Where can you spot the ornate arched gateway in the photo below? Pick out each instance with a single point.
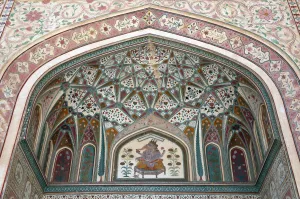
(172, 104)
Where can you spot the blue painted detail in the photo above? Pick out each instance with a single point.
(102, 155)
(198, 152)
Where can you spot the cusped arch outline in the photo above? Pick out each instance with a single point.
(137, 39)
(16, 83)
(184, 143)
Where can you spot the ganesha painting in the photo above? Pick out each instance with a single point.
(151, 161)
(150, 157)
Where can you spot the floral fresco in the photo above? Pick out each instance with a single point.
(150, 156)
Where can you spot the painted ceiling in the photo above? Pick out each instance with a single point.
(118, 93)
(151, 79)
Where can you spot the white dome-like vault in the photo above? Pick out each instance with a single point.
(152, 111)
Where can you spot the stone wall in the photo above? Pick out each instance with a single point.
(22, 183)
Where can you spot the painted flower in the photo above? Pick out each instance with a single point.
(23, 67)
(284, 77)
(275, 66)
(193, 28)
(92, 33)
(266, 14)
(29, 28)
(62, 42)
(105, 29)
(33, 15)
(235, 42)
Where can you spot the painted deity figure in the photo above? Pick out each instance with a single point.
(151, 158)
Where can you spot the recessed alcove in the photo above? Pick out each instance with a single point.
(93, 122)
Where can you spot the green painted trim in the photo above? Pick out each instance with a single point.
(191, 187)
(33, 163)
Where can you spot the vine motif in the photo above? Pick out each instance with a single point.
(174, 164)
(126, 164)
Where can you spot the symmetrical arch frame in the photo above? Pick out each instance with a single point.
(143, 33)
(55, 156)
(79, 162)
(220, 156)
(119, 143)
(246, 159)
(22, 95)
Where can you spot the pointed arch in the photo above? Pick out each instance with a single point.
(87, 163)
(214, 162)
(35, 126)
(62, 165)
(239, 164)
(183, 143)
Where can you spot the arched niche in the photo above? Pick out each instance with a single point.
(232, 54)
(187, 147)
(129, 153)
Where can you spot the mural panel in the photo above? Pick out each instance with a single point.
(87, 164)
(151, 156)
(239, 165)
(62, 166)
(214, 164)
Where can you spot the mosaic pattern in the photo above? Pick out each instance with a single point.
(259, 55)
(163, 124)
